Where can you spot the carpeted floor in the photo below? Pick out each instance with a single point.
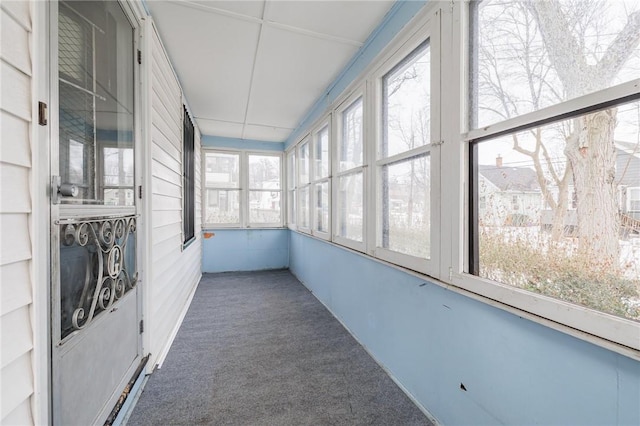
(257, 348)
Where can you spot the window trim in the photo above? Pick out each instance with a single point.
(428, 34)
(248, 223)
(343, 105)
(188, 179)
(324, 123)
(300, 186)
(291, 202)
(205, 188)
(243, 188)
(617, 334)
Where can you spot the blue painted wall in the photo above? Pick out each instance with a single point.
(245, 250)
(208, 141)
(432, 340)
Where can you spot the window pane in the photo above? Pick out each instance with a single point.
(322, 207)
(264, 207)
(222, 206)
(291, 170)
(406, 104)
(527, 55)
(303, 164)
(303, 220)
(529, 234)
(406, 206)
(118, 176)
(95, 70)
(264, 172)
(292, 207)
(222, 170)
(350, 207)
(321, 154)
(350, 146)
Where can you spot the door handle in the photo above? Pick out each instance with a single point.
(59, 189)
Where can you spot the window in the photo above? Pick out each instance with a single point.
(291, 188)
(264, 189)
(320, 184)
(222, 183)
(96, 104)
(510, 172)
(242, 189)
(350, 199)
(188, 179)
(404, 161)
(633, 201)
(552, 77)
(303, 183)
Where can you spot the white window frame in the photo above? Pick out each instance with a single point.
(205, 188)
(630, 199)
(300, 186)
(248, 223)
(428, 31)
(243, 188)
(291, 178)
(343, 105)
(324, 123)
(452, 201)
(615, 333)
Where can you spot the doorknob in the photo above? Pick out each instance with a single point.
(68, 190)
(59, 189)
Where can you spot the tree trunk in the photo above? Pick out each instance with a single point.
(591, 152)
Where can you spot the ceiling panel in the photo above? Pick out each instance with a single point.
(266, 133)
(248, 78)
(220, 128)
(291, 72)
(353, 20)
(213, 56)
(245, 7)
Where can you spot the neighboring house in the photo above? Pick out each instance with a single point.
(508, 196)
(626, 181)
(627, 177)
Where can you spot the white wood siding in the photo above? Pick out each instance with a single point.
(16, 248)
(174, 271)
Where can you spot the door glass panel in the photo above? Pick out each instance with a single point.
(95, 48)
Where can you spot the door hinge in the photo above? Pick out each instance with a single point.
(139, 57)
(140, 192)
(141, 326)
(42, 114)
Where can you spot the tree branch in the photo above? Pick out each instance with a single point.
(620, 49)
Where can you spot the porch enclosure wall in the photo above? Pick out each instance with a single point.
(16, 214)
(175, 270)
(433, 341)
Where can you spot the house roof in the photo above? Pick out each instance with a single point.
(632, 148)
(510, 178)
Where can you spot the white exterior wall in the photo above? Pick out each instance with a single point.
(175, 271)
(16, 219)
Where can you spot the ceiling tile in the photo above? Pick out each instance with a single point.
(213, 57)
(266, 133)
(245, 7)
(353, 20)
(291, 72)
(219, 128)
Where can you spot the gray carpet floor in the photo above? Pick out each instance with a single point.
(257, 348)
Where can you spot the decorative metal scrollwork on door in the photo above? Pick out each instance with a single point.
(97, 267)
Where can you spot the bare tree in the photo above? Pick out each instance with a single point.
(565, 66)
